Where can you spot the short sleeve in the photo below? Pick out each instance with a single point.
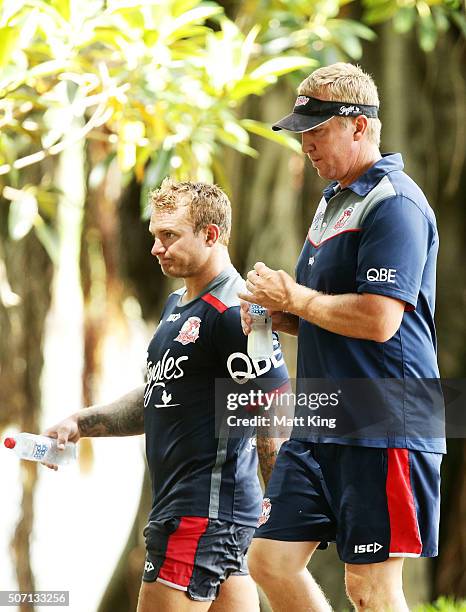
(395, 241)
(231, 346)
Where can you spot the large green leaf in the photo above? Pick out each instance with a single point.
(48, 238)
(427, 33)
(62, 7)
(247, 86)
(281, 65)
(460, 20)
(404, 19)
(174, 29)
(377, 12)
(229, 140)
(9, 37)
(22, 215)
(282, 138)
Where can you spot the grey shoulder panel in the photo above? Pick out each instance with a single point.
(227, 292)
(382, 191)
(347, 212)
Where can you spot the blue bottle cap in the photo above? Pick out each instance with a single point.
(255, 309)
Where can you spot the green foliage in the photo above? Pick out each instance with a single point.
(315, 28)
(160, 84)
(152, 80)
(430, 18)
(443, 604)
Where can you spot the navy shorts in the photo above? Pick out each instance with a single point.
(374, 503)
(195, 554)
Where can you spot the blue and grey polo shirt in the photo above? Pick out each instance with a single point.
(193, 471)
(376, 236)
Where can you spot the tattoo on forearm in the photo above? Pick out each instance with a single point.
(124, 417)
(267, 450)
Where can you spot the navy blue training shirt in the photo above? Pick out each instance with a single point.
(376, 236)
(194, 473)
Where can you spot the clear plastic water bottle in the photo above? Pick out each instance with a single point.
(260, 339)
(41, 448)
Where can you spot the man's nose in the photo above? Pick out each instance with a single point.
(157, 248)
(307, 143)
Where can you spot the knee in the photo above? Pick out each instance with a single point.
(359, 590)
(356, 590)
(370, 589)
(367, 593)
(262, 566)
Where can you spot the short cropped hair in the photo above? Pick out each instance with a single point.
(206, 204)
(345, 83)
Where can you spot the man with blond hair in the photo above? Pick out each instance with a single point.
(362, 307)
(206, 494)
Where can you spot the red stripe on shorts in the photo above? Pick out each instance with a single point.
(181, 550)
(404, 530)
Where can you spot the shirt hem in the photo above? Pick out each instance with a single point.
(426, 447)
(222, 516)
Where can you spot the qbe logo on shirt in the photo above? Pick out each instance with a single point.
(384, 275)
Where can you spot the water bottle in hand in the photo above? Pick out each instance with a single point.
(41, 448)
(260, 339)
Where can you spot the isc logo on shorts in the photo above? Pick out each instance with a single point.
(367, 548)
(148, 566)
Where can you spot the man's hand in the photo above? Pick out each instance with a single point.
(65, 431)
(281, 321)
(269, 288)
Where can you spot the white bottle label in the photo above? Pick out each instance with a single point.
(260, 340)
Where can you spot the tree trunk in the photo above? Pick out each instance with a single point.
(423, 114)
(30, 272)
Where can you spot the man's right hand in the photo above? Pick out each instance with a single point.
(246, 319)
(65, 431)
(281, 321)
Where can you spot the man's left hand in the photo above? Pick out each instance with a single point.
(269, 288)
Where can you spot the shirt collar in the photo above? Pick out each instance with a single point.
(367, 181)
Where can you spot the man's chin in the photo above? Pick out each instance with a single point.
(327, 176)
(171, 271)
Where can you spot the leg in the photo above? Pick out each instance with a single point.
(154, 596)
(280, 569)
(296, 517)
(237, 594)
(377, 587)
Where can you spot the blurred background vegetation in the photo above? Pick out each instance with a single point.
(142, 89)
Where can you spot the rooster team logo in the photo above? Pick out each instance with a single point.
(345, 215)
(189, 331)
(301, 100)
(266, 508)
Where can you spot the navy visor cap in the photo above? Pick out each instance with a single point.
(308, 113)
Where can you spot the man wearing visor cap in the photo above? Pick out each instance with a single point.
(362, 307)
(309, 113)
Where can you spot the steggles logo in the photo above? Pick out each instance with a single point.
(348, 110)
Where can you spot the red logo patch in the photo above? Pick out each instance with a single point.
(266, 508)
(301, 100)
(345, 215)
(189, 331)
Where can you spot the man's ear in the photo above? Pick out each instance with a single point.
(212, 233)
(360, 127)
